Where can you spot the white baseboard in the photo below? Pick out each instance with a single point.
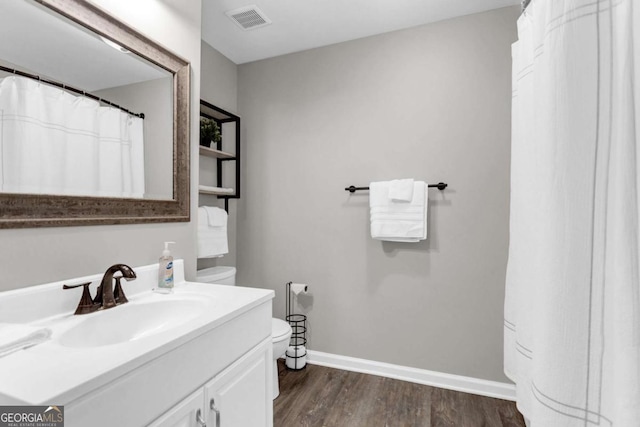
(420, 376)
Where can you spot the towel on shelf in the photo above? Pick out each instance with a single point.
(398, 221)
(401, 189)
(212, 232)
(14, 337)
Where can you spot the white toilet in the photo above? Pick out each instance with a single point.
(280, 330)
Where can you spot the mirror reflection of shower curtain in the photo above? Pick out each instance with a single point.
(572, 303)
(54, 142)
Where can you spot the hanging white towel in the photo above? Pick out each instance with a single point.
(212, 232)
(401, 190)
(216, 217)
(398, 221)
(14, 337)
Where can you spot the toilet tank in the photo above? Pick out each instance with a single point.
(219, 275)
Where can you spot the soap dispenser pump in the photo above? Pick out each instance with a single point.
(165, 270)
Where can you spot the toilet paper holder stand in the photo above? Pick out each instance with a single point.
(297, 352)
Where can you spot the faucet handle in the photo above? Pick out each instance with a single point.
(118, 292)
(75, 286)
(86, 304)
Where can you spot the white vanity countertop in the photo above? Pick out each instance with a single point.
(52, 373)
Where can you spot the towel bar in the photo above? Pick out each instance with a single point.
(352, 189)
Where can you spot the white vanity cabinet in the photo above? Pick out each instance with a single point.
(229, 362)
(188, 413)
(238, 396)
(156, 360)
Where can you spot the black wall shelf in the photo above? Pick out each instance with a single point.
(221, 116)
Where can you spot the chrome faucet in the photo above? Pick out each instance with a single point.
(106, 297)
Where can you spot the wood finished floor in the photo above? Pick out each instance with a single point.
(324, 397)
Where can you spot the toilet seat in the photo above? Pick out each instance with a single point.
(279, 329)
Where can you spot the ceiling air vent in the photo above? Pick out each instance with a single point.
(248, 17)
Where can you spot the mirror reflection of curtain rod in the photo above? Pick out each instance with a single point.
(69, 88)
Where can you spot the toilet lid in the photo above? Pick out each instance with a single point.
(279, 328)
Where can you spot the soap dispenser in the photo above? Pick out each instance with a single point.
(165, 270)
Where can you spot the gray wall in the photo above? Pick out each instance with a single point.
(35, 256)
(219, 84)
(432, 103)
(219, 87)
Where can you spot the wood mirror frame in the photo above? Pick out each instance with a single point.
(35, 210)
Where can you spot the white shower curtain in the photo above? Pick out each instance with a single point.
(572, 309)
(53, 142)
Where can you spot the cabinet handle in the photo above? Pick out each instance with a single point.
(199, 419)
(212, 405)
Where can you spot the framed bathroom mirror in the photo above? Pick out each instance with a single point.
(94, 120)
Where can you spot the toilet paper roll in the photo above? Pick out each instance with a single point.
(296, 357)
(298, 288)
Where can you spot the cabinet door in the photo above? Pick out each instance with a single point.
(185, 413)
(241, 395)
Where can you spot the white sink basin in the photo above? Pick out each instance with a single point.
(132, 321)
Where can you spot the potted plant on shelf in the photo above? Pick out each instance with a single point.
(209, 132)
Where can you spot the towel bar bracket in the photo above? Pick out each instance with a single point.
(352, 189)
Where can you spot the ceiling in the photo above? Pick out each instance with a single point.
(305, 24)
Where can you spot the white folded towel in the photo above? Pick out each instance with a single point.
(14, 337)
(212, 239)
(401, 189)
(398, 221)
(216, 217)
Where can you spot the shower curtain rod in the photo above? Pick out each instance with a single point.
(69, 88)
(352, 189)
